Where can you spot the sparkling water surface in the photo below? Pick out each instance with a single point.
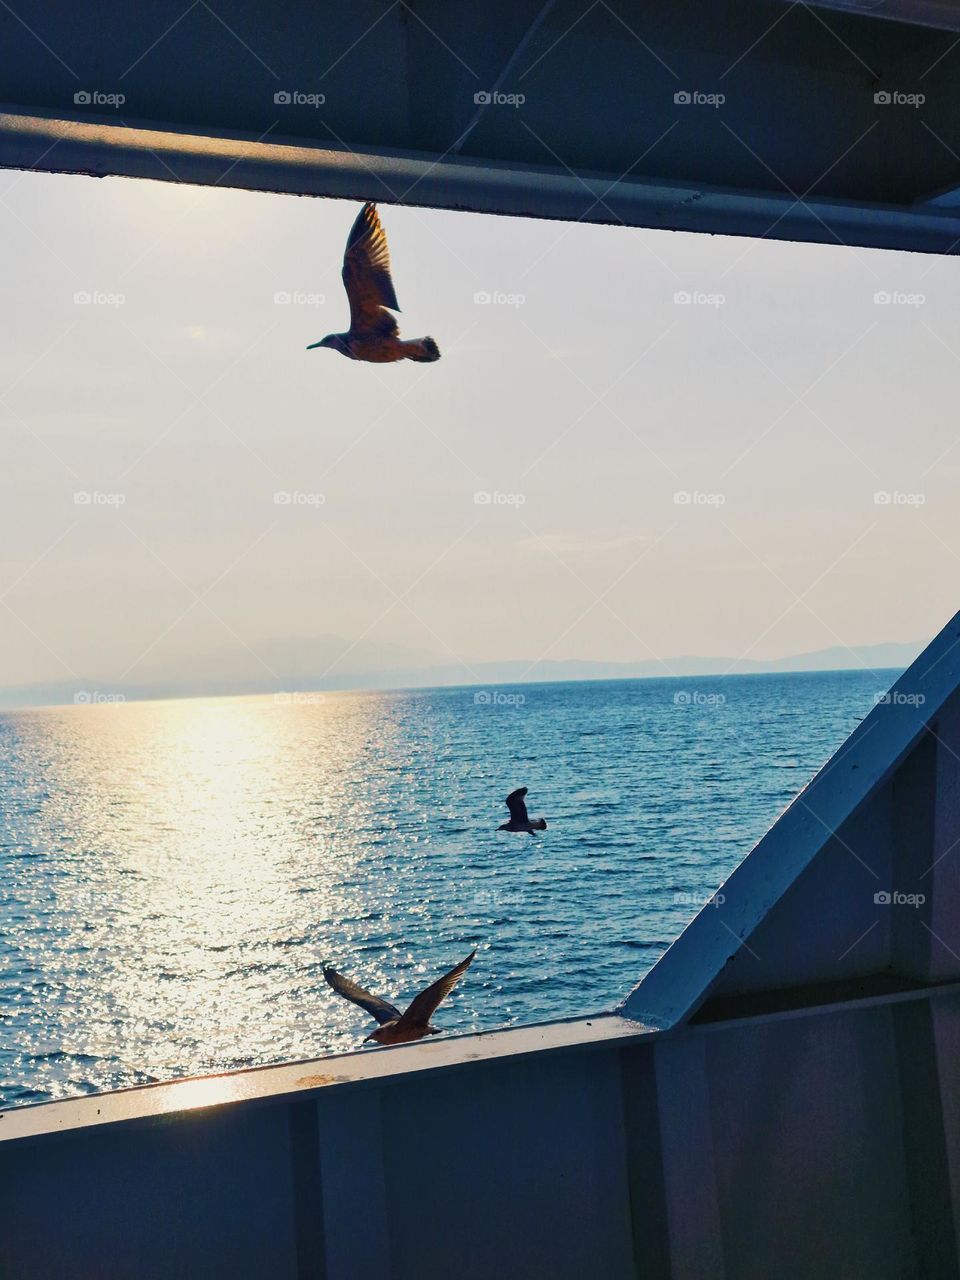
(174, 875)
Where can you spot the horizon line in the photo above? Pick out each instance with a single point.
(90, 697)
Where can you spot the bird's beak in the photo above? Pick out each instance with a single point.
(313, 345)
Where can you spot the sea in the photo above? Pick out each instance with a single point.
(174, 875)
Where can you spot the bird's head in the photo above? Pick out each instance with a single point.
(333, 340)
(378, 1036)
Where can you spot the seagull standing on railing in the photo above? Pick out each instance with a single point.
(519, 820)
(396, 1027)
(373, 334)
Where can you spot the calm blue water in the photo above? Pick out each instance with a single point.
(174, 875)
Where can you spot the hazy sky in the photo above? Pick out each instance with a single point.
(594, 396)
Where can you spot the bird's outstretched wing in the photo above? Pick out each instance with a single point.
(366, 275)
(382, 1010)
(422, 1007)
(516, 805)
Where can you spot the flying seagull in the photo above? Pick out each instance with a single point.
(519, 820)
(373, 334)
(396, 1027)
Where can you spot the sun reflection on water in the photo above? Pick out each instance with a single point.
(194, 880)
(174, 875)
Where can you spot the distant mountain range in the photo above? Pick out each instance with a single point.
(387, 668)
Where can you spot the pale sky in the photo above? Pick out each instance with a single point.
(592, 395)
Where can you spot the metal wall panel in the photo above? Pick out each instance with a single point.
(200, 1195)
(515, 1170)
(808, 1143)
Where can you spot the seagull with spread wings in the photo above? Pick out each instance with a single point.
(519, 819)
(396, 1027)
(373, 334)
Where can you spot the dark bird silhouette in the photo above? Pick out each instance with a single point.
(396, 1027)
(373, 334)
(519, 820)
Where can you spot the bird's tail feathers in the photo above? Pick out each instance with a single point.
(424, 350)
